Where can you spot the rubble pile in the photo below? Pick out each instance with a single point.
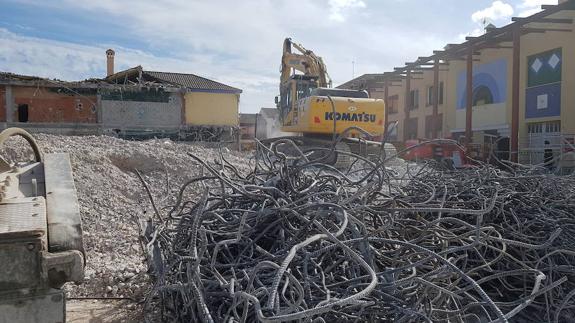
(112, 200)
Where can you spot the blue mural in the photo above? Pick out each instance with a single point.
(543, 101)
(489, 84)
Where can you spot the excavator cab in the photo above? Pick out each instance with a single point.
(296, 88)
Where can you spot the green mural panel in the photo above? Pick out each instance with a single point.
(544, 68)
(73, 91)
(144, 95)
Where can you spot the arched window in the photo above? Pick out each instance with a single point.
(482, 96)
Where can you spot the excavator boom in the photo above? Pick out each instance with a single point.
(305, 62)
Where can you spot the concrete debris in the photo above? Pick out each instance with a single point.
(111, 198)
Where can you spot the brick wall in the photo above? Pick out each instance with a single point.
(56, 105)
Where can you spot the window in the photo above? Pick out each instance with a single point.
(22, 113)
(544, 127)
(411, 129)
(414, 99)
(430, 94)
(392, 128)
(304, 89)
(440, 92)
(429, 126)
(289, 99)
(553, 126)
(535, 128)
(393, 104)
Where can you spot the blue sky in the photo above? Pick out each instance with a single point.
(236, 42)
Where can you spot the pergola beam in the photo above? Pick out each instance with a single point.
(435, 99)
(543, 30)
(514, 149)
(546, 20)
(469, 98)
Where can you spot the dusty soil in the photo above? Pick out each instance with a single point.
(102, 311)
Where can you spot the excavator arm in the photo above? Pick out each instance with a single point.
(305, 62)
(301, 72)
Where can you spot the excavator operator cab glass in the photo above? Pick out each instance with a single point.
(284, 99)
(305, 88)
(298, 87)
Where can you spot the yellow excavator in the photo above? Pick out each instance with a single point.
(309, 107)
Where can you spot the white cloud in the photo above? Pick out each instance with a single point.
(69, 61)
(338, 7)
(497, 11)
(536, 3)
(531, 7)
(239, 46)
(474, 33)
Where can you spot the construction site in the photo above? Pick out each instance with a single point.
(440, 191)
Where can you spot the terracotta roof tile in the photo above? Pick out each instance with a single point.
(190, 81)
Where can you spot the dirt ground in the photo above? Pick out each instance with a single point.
(102, 311)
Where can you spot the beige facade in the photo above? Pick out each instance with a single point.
(214, 109)
(420, 107)
(546, 90)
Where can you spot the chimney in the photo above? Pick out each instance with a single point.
(110, 61)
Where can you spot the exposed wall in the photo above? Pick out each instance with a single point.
(141, 109)
(203, 108)
(55, 105)
(247, 132)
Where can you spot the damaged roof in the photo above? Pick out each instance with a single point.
(19, 77)
(189, 81)
(32, 80)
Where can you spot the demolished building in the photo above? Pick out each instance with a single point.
(133, 103)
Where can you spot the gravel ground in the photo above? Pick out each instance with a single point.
(112, 199)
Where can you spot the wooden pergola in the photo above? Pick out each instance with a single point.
(495, 38)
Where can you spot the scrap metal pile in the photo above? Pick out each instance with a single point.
(298, 240)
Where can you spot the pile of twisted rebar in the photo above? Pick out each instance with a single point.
(298, 240)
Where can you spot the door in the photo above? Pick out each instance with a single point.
(543, 135)
(22, 113)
